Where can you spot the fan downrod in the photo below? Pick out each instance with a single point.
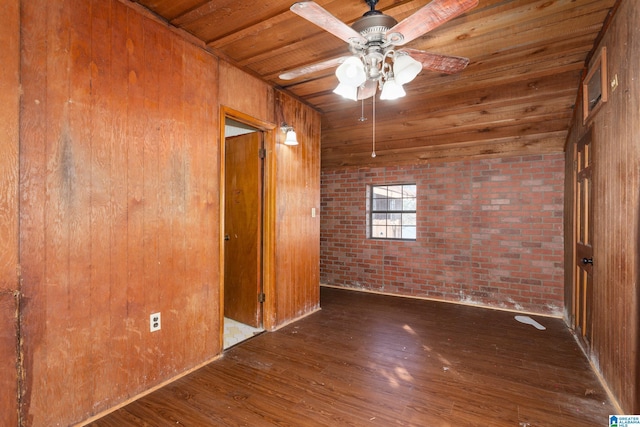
(372, 4)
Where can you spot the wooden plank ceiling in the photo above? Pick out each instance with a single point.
(515, 97)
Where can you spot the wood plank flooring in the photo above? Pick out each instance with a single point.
(373, 360)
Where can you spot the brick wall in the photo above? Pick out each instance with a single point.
(489, 233)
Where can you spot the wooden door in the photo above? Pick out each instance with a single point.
(582, 292)
(243, 229)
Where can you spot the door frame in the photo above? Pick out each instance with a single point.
(269, 215)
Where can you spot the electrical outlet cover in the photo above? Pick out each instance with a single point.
(154, 322)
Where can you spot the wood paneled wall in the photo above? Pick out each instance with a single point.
(297, 237)
(245, 93)
(9, 111)
(615, 346)
(119, 217)
(292, 263)
(9, 143)
(8, 358)
(119, 206)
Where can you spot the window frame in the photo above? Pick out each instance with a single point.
(371, 211)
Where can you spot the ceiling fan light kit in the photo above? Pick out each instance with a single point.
(392, 89)
(376, 62)
(405, 68)
(352, 72)
(356, 70)
(347, 91)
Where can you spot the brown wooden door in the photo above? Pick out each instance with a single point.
(243, 229)
(582, 292)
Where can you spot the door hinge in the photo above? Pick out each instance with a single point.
(261, 297)
(262, 153)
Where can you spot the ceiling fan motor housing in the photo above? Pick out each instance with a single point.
(375, 24)
(373, 27)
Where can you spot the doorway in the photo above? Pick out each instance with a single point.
(243, 212)
(242, 227)
(583, 282)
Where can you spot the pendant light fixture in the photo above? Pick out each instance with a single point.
(290, 135)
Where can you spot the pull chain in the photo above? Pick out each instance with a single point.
(373, 144)
(362, 117)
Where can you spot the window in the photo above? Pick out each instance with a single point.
(594, 86)
(392, 212)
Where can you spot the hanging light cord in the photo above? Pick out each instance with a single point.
(373, 146)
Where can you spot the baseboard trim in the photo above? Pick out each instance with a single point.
(294, 320)
(594, 368)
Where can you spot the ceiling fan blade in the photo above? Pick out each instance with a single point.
(434, 61)
(315, 14)
(427, 18)
(312, 68)
(368, 89)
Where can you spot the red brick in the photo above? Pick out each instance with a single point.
(489, 232)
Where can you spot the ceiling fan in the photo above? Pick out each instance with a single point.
(376, 61)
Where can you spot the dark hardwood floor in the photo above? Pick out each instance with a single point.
(373, 360)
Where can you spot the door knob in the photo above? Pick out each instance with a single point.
(226, 237)
(586, 261)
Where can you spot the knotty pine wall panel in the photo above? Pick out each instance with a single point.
(119, 206)
(615, 347)
(297, 229)
(9, 204)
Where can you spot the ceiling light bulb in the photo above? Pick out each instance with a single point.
(405, 68)
(392, 90)
(351, 72)
(291, 138)
(347, 91)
